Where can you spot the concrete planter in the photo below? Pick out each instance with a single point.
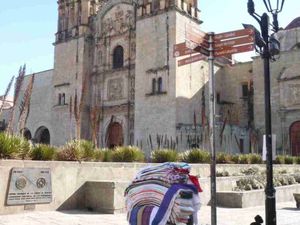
(71, 179)
(244, 199)
(297, 199)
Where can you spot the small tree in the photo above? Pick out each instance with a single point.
(25, 105)
(18, 86)
(6, 94)
(79, 108)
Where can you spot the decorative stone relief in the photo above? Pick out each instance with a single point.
(115, 89)
(294, 94)
(119, 22)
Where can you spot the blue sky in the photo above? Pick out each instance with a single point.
(27, 29)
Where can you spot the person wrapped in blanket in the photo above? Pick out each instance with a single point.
(163, 194)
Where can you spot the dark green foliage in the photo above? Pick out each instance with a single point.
(297, 159)
(234, 159)
(13, 147)
(279, 159)
(99, 155)
(164, 155)
(222, 157)
(288, 159)
(243, 159)
(76, 150)
(127, 154)
(250, 171)
(43, 152)
(196, 156)
(255, 159)
(223, 173)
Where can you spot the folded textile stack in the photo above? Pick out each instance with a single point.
(163, 194)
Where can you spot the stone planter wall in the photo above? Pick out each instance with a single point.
(69, 177)
(243, 199)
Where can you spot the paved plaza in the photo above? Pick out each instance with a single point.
(287, 214)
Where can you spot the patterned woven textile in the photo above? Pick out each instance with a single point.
(155, 196)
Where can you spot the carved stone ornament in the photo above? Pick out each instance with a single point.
(115, 89)
(118, 23)
(294, 94)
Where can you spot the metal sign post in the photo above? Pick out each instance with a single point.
(211, 46)
(212, 129)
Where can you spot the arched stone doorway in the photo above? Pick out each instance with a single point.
(42, 135)
(114, 135)
(295, 138)
(26, 134)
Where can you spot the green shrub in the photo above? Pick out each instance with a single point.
(222, 157)
(196, 156)
(12, 146)
(249, 183)
(76, 150)
(288, 159)
(280, 159)
(99, 155)
(108, 155)
(164, 155)
(223, 173)
(243, 159)
(253, 170)
(282, 171)
(255, 159)
(43, 152)
(127, 154)
(297, 159)
(86, 150)
(234, 158)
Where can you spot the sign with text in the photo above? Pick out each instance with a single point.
(29, 186)
(181, 50)
(191, 59)
(194, 34)
(233, 50)
(233, 34)
(233, 42)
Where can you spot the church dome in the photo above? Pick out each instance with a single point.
(294, 24)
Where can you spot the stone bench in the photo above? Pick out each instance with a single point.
(297, 199)
(102, 196)
(105, 196)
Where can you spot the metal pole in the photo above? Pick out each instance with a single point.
(270, 203)
(212, 130)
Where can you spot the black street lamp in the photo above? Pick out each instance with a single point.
(267, 52)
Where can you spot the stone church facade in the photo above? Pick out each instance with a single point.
(115, 81)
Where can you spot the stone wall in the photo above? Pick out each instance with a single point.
(69, 177)
(155, 113)
(285, 107)
(40, 104)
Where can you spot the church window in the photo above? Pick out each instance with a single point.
(218, 98)
(182, 4)
(59, 99)
(118, 57)
(63, 99)
(189, 9)
(159, 85)
(153, 86)
(245, 91)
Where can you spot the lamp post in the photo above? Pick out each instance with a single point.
(270, 203)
